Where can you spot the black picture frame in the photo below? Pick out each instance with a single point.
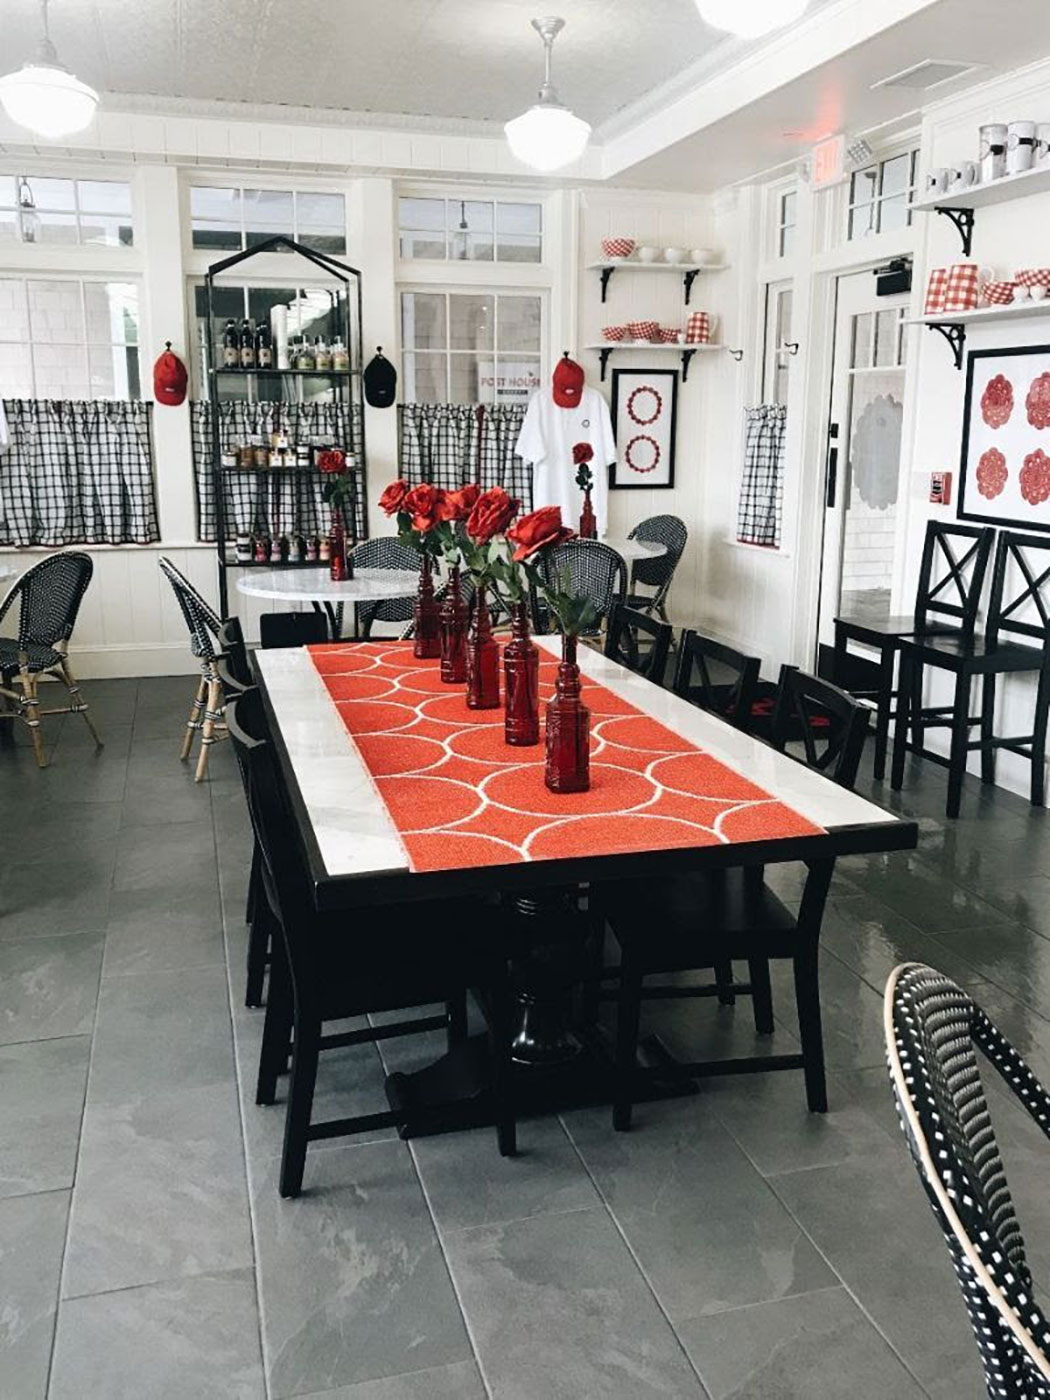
(618, 481)
(969, 503)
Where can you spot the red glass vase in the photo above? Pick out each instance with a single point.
(337, 548)
(482, 657)
(588, 523)
(453, 633)
(426, 620)
(568, 728)
(521, 679)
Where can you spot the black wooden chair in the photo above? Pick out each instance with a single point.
(1018, 614)
(233, 649)
(382, 552)
(707, 921)
(203, 624)
(638, 642)
(321, 970)
(589, 569)
(951, 580)
(49, 596)
(716, 678)
(933, 1030)
(294, 629)
(658, 573)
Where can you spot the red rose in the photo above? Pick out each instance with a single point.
(997, 401)
(540, 530)
(332, 460)
(463, 501)
(991, 473)
(391, 499)
(1035, 478)
(1038, 402)
(582, 452)
(427, 505)
(490, 515)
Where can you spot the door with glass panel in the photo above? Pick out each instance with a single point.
(862, 472)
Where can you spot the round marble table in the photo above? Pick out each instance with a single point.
(315, 586)
(630, 551)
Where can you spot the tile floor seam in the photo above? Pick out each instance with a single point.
(518, 1220)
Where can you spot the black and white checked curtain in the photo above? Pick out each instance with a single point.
(77, 472)
(761, 505)
(439, 443)
(261, 500)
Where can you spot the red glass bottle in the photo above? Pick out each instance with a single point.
(425, 615)
(521, 679)
(482, 657)
(337, 548)
(453, 633)
(588, 523)
(568, 728)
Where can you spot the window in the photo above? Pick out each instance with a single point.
(34, 209)
(68, 339)
(880, 195)
(787, 210)
(232, 219)
(779, 299)
(470, 347)
(470, 230)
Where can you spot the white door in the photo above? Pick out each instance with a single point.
(862, 475)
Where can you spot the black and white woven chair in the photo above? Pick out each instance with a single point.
(49, 597)
(383, 552)
(204, 625)
(932, 1032)
(587, 568)
(657, 573)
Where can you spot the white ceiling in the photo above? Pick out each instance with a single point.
(477, 60)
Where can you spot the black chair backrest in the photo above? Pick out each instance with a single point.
(1020, 599)
(932, 1031)
(201, 619)
(232, 647)
(587, 568)
(50, 594)
(951, 578)
(830, 725)
(623, 638)
(716, 677)
(384, 552)
(659, 529)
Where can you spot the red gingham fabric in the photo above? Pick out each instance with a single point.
(698, 328)
(936, 287)
(962, 290)
(999, 293)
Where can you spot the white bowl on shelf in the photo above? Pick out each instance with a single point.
(646, 253)
(674, 255)
(703, 257)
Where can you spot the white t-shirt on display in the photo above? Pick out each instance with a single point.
(547, 437)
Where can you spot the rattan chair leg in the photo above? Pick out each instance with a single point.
(31, 710)
(78, 706)
(212, 717)
(195, 719)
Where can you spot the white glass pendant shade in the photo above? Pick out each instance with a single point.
(750, 19)
(546, 137)
(47, 99)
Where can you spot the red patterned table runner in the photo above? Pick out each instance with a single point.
(460, 797)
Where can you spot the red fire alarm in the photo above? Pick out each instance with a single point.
(940, 488)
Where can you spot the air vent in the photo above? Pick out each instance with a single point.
(930, 73)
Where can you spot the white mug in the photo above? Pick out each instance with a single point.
(1042, 143)
(937, 180)
(1038, 292)
(993, 151)
(1020, 147)
(965, 174)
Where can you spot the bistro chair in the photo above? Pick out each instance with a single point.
(933, 1030)
(203, 624)
(321, 970)
(657, 573)
(1018, 615)
(705, 922)
(638, 642)
(716, 678)
(382, 552)
(49, 596)
(951, 580)
(589, 569)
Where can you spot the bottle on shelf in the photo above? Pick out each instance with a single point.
(247, 345)
(262, 548)
(231, 346)
(263, 346)
(305, 356)
(322, 354)
(244, 547)
(297, 551)
(324, 550)
(340, 356)
(311, 549)
(284, 548)
(275, 550)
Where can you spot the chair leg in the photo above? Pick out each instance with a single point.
(253, 885)
(918, 728)
(1042, 709)
(258, 951)
(884, 702)
(628, 1016)
(960, 738)
(76, 704)
(500, 1037)
(456, 1012)
(195, 719)
(212, 716)
(724, 982)
(277, 1027)
(761, 994)
(807, 995)
(305, 1052)
(988, 729)
(32, 713)
(900, 728)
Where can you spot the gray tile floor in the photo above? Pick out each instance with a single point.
(732, 1245)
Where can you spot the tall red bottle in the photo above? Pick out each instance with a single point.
(453, 633)
(568, 767)
(521, 678)
(337, 548)
(482, 657)
(588, 523)
(425, 618)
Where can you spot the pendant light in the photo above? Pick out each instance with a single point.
(750, 19)
(44, 96)
(28, 218)
(548, 135)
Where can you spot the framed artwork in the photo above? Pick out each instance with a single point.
(1005, 472)
(645, 416)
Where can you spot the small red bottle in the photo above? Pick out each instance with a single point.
(521, 677)
(588, 523)
(482, 657)
(426, 643)
(568, 767)
(453, 633)
(337, 549)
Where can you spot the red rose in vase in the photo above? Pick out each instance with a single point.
(991, 473)
(997, 401)
(391, 499)
(1038, 402)
(463, 501)
(540, 530)
(490, 515)
(1035, 478)
(427, 505)
(582, 452)
(332, 460)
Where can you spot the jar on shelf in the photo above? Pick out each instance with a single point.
(243, 547)
(246, 456)
(228, 459)
(340, 356)
(261, 454)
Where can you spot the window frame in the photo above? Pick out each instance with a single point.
(77, 211)
(876, 203)
(449, 196)
(196, 179)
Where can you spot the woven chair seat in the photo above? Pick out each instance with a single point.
(41, 658)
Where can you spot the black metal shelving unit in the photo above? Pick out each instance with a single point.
(345, 386)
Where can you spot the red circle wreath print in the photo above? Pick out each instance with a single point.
(991, 473)
(633, 449)
(1038, 402)
(1035, 478)
(635, 414)
(997, 401)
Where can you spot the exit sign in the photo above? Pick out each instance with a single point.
(829, 160)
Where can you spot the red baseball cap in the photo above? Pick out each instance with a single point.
(567, 386)
(169, 378)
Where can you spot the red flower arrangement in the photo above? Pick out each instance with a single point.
(331, 460)
(395, 493)
(582, 452)
(490, 515)
(540, 530)
(997, 401)
(1035, 478)
(463, 501)
(991, 473)
(1038, 402)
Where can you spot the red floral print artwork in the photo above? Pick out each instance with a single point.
(1038, 402)
(1035, 478)
(997, 401)
(991, 473)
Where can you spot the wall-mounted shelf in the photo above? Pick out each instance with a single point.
(605, 348)
(959, 205)
(688, 272)
(952, 324)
